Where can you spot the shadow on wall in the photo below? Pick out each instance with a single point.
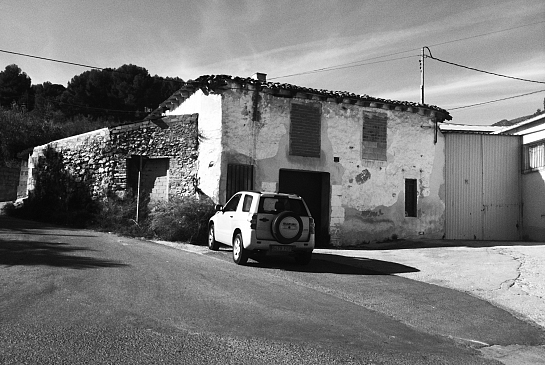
(58, 195)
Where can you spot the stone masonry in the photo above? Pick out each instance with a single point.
(9, 179)
(100, 158)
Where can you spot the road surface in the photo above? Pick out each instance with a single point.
(77, 296)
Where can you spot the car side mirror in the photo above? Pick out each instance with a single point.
(218, 207)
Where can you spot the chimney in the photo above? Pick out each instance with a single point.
(260, 77)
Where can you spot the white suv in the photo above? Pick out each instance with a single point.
(259, 222)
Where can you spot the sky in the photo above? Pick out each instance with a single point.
(374, 46)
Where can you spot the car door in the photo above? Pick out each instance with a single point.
(224, 218)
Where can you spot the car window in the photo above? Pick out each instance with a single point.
(274, 205)
(247, 203)
(231, 205)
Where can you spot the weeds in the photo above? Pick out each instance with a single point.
(182, 219)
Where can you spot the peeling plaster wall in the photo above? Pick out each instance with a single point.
(371, 193)
(209, 161)
(367, 197)
(266, 140)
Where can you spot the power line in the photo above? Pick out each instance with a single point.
(342, 65)
(50, 59)
(495, 101)
(339, 67)
(485, 34)
(486, 72)
(86, 66)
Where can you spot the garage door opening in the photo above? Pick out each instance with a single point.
(315, 188)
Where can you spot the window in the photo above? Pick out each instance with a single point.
(373, 144)
(232, 204)
(239, 177)
(410, 197)
(279, 204)
(247, 203)
(305, 130)
(534, 156)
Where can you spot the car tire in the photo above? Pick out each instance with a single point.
(303, 258)
(240, 254)
(276, 228)
(212, 243)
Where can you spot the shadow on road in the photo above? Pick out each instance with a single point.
(27, 253)
(334, 264)
(9, 224)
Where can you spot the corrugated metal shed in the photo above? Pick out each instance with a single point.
(483, 196)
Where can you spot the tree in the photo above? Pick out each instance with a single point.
(21, 130)
(122, 94)
(47, 99)
(15, 87)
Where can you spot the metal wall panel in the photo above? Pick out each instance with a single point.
(501, 187)
(463, 186)
(482, 189)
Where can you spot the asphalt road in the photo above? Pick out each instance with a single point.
(76, 296)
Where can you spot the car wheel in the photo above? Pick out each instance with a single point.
(240, 254)
(303, 258)
(287, 227)
(212, 243)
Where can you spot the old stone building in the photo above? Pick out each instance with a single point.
(370, 169)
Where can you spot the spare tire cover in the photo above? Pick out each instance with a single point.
(287, 227)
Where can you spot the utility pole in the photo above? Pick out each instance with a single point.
(422, 77)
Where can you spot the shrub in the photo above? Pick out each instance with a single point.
(57, 197)
(119, 215)
(182, 219)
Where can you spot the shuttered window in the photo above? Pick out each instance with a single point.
(305, 128)
(239, 177)
(410, 197)
(374, 136)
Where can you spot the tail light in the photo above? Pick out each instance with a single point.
(253, 221)
(312, 226)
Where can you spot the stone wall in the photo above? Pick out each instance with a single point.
(174, 137)
(23, 179)
(9, 179)
(99, 158)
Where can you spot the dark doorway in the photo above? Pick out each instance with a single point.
(153, 177)
(315, 188)
(239, 177)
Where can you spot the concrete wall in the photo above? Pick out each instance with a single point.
(367, 202)
(533, 194)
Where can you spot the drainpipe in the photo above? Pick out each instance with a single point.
(260, 78)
